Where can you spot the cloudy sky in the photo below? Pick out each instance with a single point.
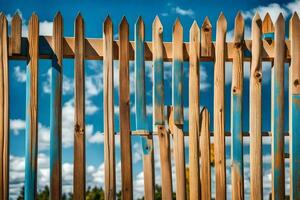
(94, 14)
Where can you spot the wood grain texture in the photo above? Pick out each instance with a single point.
(4, 110)
(255, 111)
(94, 50)
(206, 38)
(219, 113)
(31, 145)
(294, 107)
(204, 143)
(177, 110)
(158, 72)
(79, 107)
(148, 168)
(108, 105)
(177, 73)
(237, 167)
(194, 126)
(165, 162)
(141, 115)
(55, 109)
(124, 105)
(277, 111)
(16, 34)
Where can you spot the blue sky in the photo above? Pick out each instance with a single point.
(94, 15)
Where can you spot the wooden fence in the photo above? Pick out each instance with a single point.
(267, 43)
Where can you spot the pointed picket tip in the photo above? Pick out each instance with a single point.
(239, 16)
(58, 15)
(34, 15)
(280, 18)
(17, 16)
(124, 22)
(139, 20)
(267, 18)
(222, 22)
(177, 25)
(3, 17)
(194, 26)
(256, 17)
(204, 112)
(79, 17)
(107, 20)
(206, 23)
(295, 17)
(156, 21)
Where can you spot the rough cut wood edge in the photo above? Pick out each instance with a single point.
(79, 109)
(237, 171)
(219, 112)
(55, 110)
(256, 190)
(32, 110)
(277, 119)
(204, 143)
(124, 102)
(4, 110)
(108, 106)
(194, 126)
(94, 50)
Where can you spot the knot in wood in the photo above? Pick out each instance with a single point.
(160, 30)
(296, 82)
(78, 129)
(238, 45)
(258, 76)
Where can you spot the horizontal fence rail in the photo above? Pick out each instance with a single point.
(268, 43)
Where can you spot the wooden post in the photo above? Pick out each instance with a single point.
(140, 107)
(278, 181)
(177, 101)
(194, 117)
(108, 105)
(237, 166)
(16, 34)
(55, 109)
(294, 110)
(158, 102)
(124, 104)
(4, 110)
(255, 111)
(219, 113)
(79, 105)
(31, 146)
(204, 143)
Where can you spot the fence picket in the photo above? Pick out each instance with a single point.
(124, 104)
(32, 109)
(255, 111)
(108, 105)
(55, 109)
(16, 34)
(205, 171)
(79, 106)
(294, 110)
(237, 166)
(219, 113)
(278, 111)
(141, 114)
(177, 87)
(158, 115)
(4, 110)
(194, 117)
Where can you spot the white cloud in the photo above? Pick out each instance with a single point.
(17, 125)
(184, 12)
(20, 74)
